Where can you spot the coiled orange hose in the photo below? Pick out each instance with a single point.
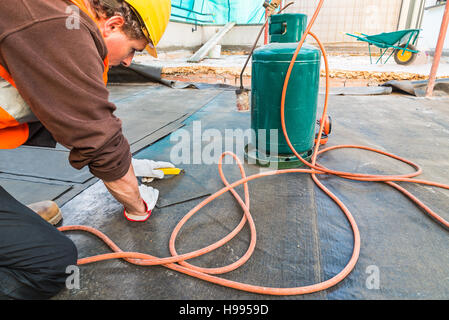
(178, 262)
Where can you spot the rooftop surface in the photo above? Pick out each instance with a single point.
(302, 236)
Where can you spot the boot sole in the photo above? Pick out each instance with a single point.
(55, 220)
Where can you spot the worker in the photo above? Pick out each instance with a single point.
(54, 58)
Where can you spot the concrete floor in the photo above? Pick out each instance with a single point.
(303, 238)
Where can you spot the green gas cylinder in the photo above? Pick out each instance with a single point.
(269, 68)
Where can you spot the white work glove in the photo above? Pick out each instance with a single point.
(147, 169)
(150, 196)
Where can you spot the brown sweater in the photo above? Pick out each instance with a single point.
(59, 73)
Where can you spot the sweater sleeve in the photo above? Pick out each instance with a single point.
(59, 73)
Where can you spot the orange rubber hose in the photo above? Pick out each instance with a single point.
(178, 262)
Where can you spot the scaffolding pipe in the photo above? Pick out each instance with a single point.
(438, 51)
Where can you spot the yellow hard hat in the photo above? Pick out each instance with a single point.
(154, 16)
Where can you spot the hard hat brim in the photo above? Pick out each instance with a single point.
(151, 50)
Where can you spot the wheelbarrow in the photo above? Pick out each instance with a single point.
(402, 42)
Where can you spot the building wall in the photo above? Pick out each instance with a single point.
(340, 16)
(181, 35)
(431, 24)
(336, 18)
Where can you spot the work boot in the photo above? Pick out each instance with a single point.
(48, 210)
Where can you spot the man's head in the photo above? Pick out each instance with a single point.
(131, 25)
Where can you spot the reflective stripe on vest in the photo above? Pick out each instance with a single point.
(12, 133)
(13, 103)
(14, 111)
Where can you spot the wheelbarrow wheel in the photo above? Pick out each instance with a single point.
(404, 57)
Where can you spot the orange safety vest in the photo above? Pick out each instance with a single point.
(14, 112)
